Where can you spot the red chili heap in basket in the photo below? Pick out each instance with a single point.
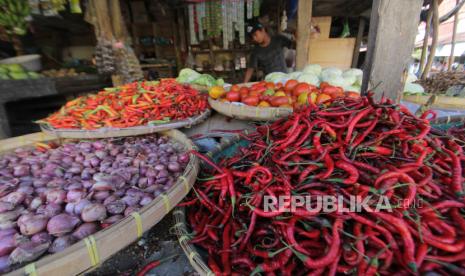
(134, 104)
(354, 147)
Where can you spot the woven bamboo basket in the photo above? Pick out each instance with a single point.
(245, 112)
(89, 253)
(122, 132)
(442, 102)
(182, 229)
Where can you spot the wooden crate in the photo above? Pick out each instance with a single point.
(330, 52)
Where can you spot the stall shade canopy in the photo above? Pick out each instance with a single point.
(444, 50)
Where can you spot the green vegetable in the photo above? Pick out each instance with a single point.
(220, 82)
(414, 88)
(313, 69)
(269, 92)
(276, 77)
(187, 75)
(309, 78)
(353, 76)
(205, 80)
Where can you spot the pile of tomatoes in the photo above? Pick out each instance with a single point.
(292, 94)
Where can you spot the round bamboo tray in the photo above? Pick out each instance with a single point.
(89, 253)
(442, 102)
(182, 229)
(245, 112)
(122, 132)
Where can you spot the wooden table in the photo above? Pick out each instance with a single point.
(15, 90)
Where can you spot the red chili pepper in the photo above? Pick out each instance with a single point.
(330, 256)
(409, 246)
(351, 170)
(225, 255)
(354, 121)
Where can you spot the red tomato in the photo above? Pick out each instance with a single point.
(322, 98)
(337, 95)
(352, 95)
(270, 85)
(301, 88)
(255, 93)
(280, 100)
(323, 85)
(235, 87)
(233, 96)
(251, 100)
(258, 85)
(266, 98)
(290, 84)
(332, 89)
(244, 91)
(278, 86)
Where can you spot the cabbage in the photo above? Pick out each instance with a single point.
(205, 80)
(220, 82)
(187, 75)
(413, 88)
(353, 76)
(337, 81)
(353, 88)
(309, 78)
(411, 78)
(313, 68)
(272, 77)
(294, 75)
(331, 73)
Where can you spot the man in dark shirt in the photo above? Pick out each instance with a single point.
(268, 53)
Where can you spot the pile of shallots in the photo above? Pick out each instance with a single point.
(52, 198)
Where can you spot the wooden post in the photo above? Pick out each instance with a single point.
(424, 50)
(454, 34)
(434, 42)
(358, 42)
(393, 27)
(304, 17)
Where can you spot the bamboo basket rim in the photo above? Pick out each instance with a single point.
(245, 112)
(107, 132)
(181, 229)
(87, 254)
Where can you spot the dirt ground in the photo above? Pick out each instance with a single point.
(132, 258)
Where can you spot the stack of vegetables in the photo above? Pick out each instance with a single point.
(292, 94)
(190, 76)
(314, 74)
(134, 104)
(351, 147)
(52, 196)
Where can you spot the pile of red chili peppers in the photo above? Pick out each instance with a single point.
(134, 104)
(351, 147)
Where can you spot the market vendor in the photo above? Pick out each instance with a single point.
(268, 54)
